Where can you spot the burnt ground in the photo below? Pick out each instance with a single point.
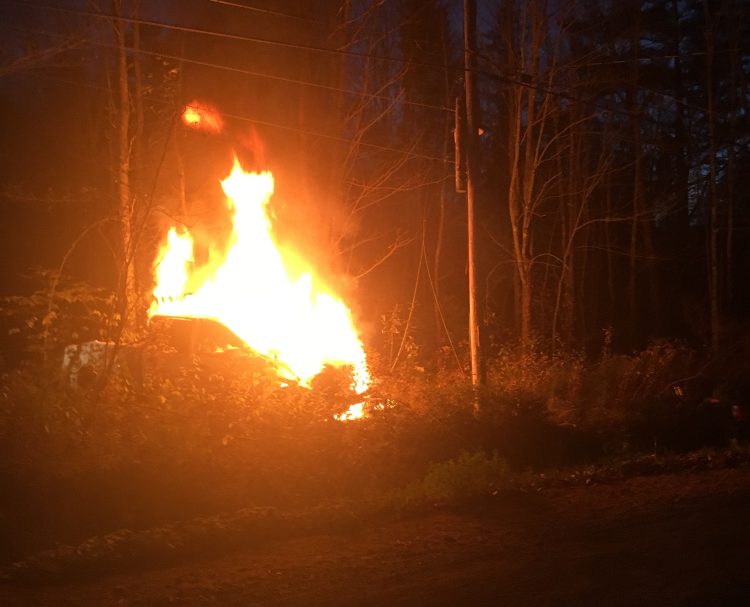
(671, 539)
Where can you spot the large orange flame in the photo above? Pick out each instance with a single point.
(268, 296)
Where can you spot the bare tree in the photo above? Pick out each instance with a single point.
(530, 46)
(125, 199)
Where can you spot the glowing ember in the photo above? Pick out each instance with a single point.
(202, 116)
(266, 295)
(355, 411)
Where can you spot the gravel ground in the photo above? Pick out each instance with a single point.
(671, 539)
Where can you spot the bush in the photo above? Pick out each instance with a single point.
(203, 439)
(469, 475)
(55, 313)
(525, 380)
(620, 391)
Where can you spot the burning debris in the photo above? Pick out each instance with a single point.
(202, 116)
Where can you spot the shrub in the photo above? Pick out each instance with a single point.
(54, 314)
(203, 439)
(469, 475)
(549, 384)
(622, 391)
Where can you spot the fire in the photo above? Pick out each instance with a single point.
(268, 296)
(202, 116)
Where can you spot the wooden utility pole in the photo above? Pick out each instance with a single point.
(470, 39)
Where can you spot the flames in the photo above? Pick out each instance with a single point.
(264, 293)
(203, 117)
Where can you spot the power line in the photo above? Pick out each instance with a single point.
(338, 138)
(409, 153)
(658, 57)
(641, 60)
(521, 82)
(604, 108)
(265, 11)
(166, 103)
(236, 37)
(247, 72)
(524, 83)
(286, 79)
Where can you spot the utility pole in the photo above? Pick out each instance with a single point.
(470, 44)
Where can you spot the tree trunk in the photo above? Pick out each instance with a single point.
(734, 83)
(439, 237)
(127, 285)
(713, 214)
(635, 120)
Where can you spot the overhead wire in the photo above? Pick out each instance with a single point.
(309, 47)
(519, 82)
(228, 36)
(528, 83)
(266, 11)
(493, 75)
(256, 74)
(659, 57)
(166, 103)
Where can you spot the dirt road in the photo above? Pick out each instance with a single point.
(679, 539)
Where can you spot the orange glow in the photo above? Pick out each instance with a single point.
(202, 116)
(267, 295)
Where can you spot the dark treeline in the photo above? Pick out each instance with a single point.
(617, 133)
(614, 140)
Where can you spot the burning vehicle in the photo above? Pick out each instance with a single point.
(171, 344)
(249, 299)
(266, 294)
(176, 344)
